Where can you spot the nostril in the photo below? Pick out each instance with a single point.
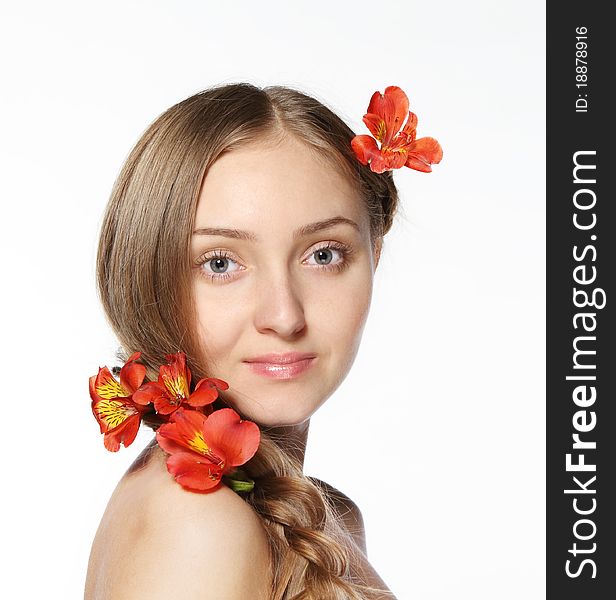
(280, 310)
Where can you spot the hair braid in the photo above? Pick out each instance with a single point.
(312, 556)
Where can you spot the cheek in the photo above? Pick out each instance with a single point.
(219, 328)
(339, 311)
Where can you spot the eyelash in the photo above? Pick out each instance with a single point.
(344, 250)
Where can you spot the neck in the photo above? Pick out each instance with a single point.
(292, 439)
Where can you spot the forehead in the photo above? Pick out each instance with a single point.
(283, 183)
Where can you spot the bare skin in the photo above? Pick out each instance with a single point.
(143, 545)
(157, 541)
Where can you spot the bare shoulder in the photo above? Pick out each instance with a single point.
(348, 511)
(157, 540)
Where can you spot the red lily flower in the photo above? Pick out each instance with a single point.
(173, 387)
(204, 448)
(386, 113)
(117, 415)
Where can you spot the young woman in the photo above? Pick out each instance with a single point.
(244, 232)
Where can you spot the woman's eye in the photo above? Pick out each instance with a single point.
(330, 256)
(218, 266)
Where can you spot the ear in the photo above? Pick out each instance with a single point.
(378, 245)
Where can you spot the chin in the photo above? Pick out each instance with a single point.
(280, 417)
(275, 410)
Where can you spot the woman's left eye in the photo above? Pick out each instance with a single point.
(330, 256)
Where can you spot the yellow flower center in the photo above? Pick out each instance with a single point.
(111, 388)
(199, 445)
(177, 388)
(114, 412)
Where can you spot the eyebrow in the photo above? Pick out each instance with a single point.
(302, 231)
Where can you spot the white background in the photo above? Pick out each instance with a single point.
(438, 431)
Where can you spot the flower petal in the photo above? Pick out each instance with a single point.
(394, 159)
(92, 388)
(365, 148)
(376, 125)
(175, 376)
(219, 383)
(237, 439)
(378, 164)
(132, 374)
(167, 441)
(124, 434)
(204, 395)
(392, 107)
(181, 429)
(106, 386)
(409, 131)
(149, 392)
(133, 356)
(422, 153)
(112, 413)
(165, 406)
(206, 391)
(193, 474)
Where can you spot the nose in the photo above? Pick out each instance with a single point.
(279, 307)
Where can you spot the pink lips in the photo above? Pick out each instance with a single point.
(281, 366)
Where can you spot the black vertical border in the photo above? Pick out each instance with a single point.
(569, 131)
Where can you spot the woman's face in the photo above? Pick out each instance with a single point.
(282, 264)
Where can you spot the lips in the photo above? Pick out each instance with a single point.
(280, 359)
(281, 366)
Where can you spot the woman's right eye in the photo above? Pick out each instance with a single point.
(217, 266)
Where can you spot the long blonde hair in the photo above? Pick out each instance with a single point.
(144, 283)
